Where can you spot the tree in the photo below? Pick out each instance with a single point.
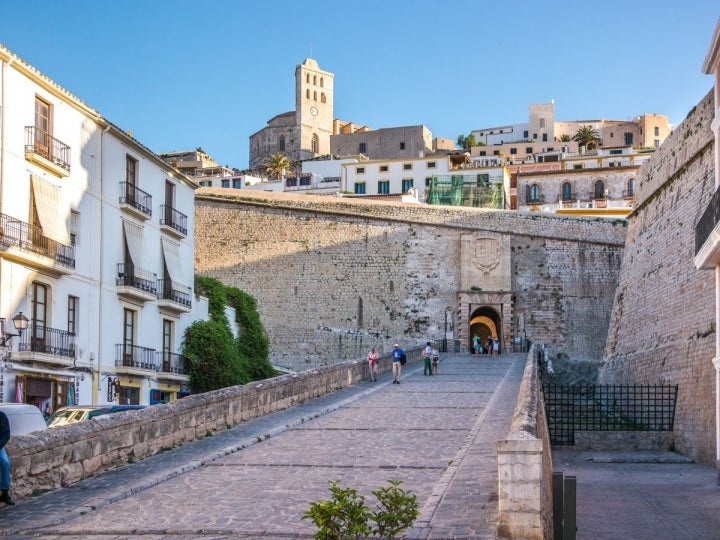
(565, 138)
(587, 136)
(466, 142)
(277, 164)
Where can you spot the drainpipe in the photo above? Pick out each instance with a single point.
(101, 253)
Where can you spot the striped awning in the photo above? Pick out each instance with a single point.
(171, 251)
(136, 246)
(47, 206)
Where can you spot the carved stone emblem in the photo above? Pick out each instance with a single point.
(486, 255)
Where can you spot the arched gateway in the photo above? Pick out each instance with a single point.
(485, 322)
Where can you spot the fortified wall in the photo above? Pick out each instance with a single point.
(663, 320)
(335, 276)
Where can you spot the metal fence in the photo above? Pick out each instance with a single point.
(571, 408)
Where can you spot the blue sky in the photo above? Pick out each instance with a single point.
(181, 74)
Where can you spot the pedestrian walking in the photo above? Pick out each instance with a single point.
(47, 413)
(372, 359)
(4, 460)
(476, 345)
(489, 345)
(495, 347)
(398, 359)
(435, 357)
(427, 354)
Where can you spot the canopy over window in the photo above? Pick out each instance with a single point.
(172, 263)
(136, 247)
(47, 206)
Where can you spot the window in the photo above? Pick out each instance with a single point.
(534, 194)
(322, 82)
(656, 143)
(131, 166)
(74, 226)
(407, 166)
(72, 314)
(542, 123)
(315, 80)
(383, 168)
(431, 164)
(657, 131)
(307, 93)
(428, 181)
(628, 139)
(402, 146)
(362, 147)
(225, 183)
(43, 125)
(128, 335)
(544, 137)
(578, 167)
(482, 180)
(566, 191)
(528, 150)
(315, 95)
(631, 187)
(167, 347)
(360, 188)
(496, 152)
(615, 152)
(315, 144)
(483, 153)
(407, 183)
(307, 78)
(206, 183)
(281, 143)
(599, 189)
(383, 187)
(359, 170)
(38, 303)
(237, 183)
(525, 134)
(322, 98)
(513, 151)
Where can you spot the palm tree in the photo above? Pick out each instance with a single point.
(587, 136)
(277, 164)
(565, 138)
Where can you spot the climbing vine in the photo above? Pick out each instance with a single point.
(217, 359)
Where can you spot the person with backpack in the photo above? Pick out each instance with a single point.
(398, 359)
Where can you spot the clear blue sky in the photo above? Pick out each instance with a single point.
(181, 74)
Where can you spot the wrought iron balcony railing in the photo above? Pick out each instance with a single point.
(136, 357)
(133, 196)
(707, 222)
(166, 291)
(43, 339)
(126, 277)
(19, 234)
(46, 146)
(173, 218)
(172, 363)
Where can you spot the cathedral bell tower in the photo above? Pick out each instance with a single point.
(314, 108)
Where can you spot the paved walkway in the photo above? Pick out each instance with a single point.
(436, 434)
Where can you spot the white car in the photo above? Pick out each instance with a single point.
(23, 418)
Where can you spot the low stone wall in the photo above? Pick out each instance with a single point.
(622, 441)
(525, 465)
(65, 455)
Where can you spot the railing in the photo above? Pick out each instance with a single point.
(45, 145)
(572, 408)
(14, 232)
(136, 357)
(707, 222)
(133, 196)
(166, 291)
(535, 200)
(126, 277)
(42, 339)
(172, 363)
(173, 218)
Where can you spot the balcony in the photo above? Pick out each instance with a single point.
(135, 201)
(172, 366)
(707, 235)
(172, 221)
(135, 360)
(40, 343)
(537, 199)
(172, 298)
(27, 244)
(46, 151)
(130, 285)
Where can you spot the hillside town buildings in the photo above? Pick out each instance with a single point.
(96, 254)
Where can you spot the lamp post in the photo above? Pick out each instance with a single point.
(20, 322)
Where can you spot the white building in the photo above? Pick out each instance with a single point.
(96, 252)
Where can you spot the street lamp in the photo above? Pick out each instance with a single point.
(20, 322)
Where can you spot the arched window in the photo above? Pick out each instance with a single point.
(567, 191)
(315, 144)
(307, 78)
(599, 190)
(322, 97)
(322, 82)
(315, 80)
(307, 93)
(281, 143)
(315, 95)
(630, 187)
(534, 194)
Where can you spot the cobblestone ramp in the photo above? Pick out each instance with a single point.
(434, 433)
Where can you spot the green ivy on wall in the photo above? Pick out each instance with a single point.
(216, 359)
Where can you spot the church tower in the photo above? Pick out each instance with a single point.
(314, 108)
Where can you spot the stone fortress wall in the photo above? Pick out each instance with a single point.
(662, 328)
(334, 276)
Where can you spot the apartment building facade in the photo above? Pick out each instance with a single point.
(96, 254)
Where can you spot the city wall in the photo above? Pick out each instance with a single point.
(662, 328)
(334, 276)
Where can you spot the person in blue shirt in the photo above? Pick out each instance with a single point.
(427, 354)
(4, 460)
(398, 356)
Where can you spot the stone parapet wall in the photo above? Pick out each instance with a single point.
(662, 327)
(64, 455)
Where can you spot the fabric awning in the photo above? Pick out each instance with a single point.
(136, 246)
(172, 263)
(47, 206)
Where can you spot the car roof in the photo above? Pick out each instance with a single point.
(23, 417)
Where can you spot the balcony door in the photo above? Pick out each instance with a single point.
(128, 337)
(43, 127)
(39, 316)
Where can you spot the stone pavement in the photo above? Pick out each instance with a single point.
(434, 433)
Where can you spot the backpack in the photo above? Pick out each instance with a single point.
(403, 359)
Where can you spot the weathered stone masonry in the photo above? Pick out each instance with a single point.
(335, 276)
(662, 325)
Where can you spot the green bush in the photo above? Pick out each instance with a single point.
(345, 515)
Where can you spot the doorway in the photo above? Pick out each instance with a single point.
(485, 323)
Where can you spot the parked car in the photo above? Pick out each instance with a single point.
(24, 418)
(80, 413)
